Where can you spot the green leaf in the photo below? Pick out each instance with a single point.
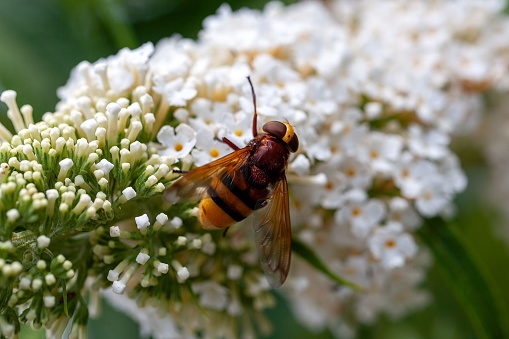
(466, 279)
(306, 253)
(114, 17)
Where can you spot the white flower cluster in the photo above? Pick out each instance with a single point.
(375, 91)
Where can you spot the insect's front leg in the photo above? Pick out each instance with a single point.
(231, 144)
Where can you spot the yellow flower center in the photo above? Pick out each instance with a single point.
(356, 212)
(214, 153)
(178, 147)
(390, 243)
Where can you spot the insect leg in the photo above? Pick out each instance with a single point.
(225, 230)
(177, 170)
(230, 143)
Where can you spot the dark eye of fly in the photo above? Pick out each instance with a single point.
(276, 128)
(280, 131)
(294, 143)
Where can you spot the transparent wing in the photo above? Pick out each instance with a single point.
(273, 235)
(191, 186)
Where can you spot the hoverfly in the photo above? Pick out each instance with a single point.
(251, 179)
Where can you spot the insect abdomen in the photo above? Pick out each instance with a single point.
(229, 200)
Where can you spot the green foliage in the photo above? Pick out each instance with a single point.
(467, 278)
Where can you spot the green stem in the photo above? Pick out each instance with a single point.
(311, 258)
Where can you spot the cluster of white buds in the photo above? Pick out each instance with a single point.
(77, 169)
(163, 266)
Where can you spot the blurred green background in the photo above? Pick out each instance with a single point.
(41, 41)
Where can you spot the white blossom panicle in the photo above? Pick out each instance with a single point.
(376, 96)
(375, 110)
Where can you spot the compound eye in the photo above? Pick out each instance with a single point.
(275, 128)
(293, 144)
(284, 132)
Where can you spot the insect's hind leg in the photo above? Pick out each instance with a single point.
(225, 231)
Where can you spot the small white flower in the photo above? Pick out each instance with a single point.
(300, 165)
(318, 147)
(13, 215)
(119, 287)
(142, 221)
(162, 218)
(350, 130)
(65, 165)
(391, 246)
(432, 144)
(239, 129)
(183, 274)
(380, 151)
(105, 166)
(215, 116)
(112, 275)
(43, 241)
(181, 241)
(142, 258)
(403, 214)
(320, 97)
(212, 295)
(41, 265)
(49, 301)
(178, 142)
(208, 247)
(373, 110)
(454, 178)
(330, 195)
(24, 283)
(432, 198)
(162, 268)
(52, 194)
(197, 243)
(176, 222)
(234, 272)
(50, 279)
(89, 126)
(410, 174)
(356, 173)
(176, 92)
(129, 193)
(114, 231)
(362, 216)
(208, 149)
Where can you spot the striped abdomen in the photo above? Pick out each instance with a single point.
(231, 198)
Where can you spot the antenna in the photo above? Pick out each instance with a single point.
(255, 120)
